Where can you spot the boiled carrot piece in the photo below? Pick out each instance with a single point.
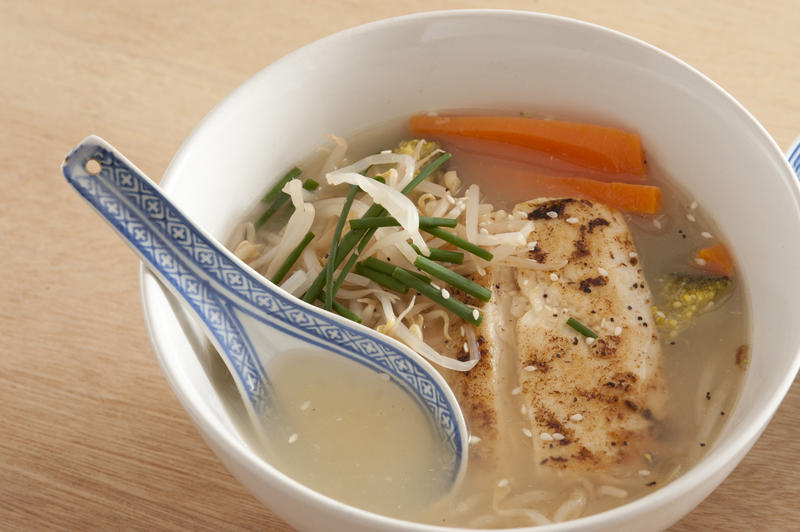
(717, 259)
(600, 148)
(628, 197)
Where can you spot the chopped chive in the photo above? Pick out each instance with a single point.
(278, 187)
(581, 328)
(425, 172)
(272, 209)
(428, 221)
(458, 242)
(443, 255)
(310, 184)
(390, 221)
(343, 311)
(337, 234)
(354, 236)
(373, 221)
(455, 306)
(452, 278)
(387, 281)
(292, 258)
(385, 267)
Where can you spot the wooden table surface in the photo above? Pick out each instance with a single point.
(91, 436)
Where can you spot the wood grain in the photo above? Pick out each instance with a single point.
(92, 437)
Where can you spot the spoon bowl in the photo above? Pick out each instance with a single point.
(250, 321)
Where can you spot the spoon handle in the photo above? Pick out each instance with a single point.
(180, 254)
(221, 289)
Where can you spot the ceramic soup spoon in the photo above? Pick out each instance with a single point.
(248, 319)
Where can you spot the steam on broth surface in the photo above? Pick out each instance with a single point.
(664, 395)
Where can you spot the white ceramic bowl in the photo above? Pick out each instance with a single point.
(505, 61)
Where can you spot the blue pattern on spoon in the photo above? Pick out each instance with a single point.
(225, 294)
(793, 155)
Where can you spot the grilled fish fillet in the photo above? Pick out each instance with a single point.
(587, 405)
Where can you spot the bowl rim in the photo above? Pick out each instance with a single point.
(715, 461)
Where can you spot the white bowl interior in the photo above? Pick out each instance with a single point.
(507, 61)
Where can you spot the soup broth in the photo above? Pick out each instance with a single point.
(703, 367)
(353, 435)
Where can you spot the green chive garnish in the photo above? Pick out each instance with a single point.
(387, 281)
(443, 255)
(343, 311)
(452, 278)
(278, 187)
(354, 236)
(455, 306)
(292, 258)
(458, 242)
(388, 269)
(337, 234)
(390, 221)
(425, 172)
(272, 209)
(428, 221)
(581, 328)
(310, 184)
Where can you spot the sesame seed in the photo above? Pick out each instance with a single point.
(558, 436)
(553, 277)
(516, 391)
(693, 206)
(385, 152)
(576, 417)
(545, 436)
(338, 419)
(503, 483)
(466, 347)
(589, 340)
(706, 234)
(572, 220)
(602, 271)
(483, 231)
(700, 262)
(530, 368)
(617, 331)
(661, 314)
(552, 214)
(633, 254)
(523, 410)
(691, 217)
(473, 440)
(305, 405)
(656, 224)
(527, 432)
(475, 314)
(436, 286)
(644, 473)
(524, 282)
(293, 438)
(445, 294)
(533, 244)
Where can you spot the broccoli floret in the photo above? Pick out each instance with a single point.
(686, 296)
(409, 147)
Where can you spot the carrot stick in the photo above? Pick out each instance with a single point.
(717, 259)
(600, 148)
(640, 199)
